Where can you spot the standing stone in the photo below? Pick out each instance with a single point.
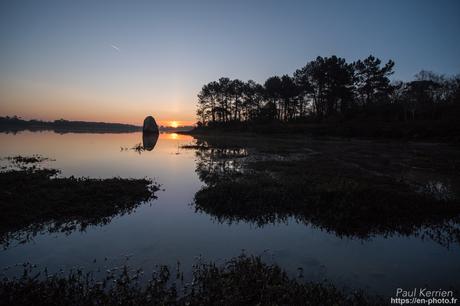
(150, 126)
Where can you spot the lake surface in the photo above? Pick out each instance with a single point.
(168, 229)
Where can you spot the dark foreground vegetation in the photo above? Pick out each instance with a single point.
(345, 188)
(241, 281)
(329, 96)
(33, 198)
(16, 124)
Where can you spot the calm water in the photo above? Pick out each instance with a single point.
(168, 229)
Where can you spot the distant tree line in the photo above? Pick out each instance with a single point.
(15, 123)
(329, 87)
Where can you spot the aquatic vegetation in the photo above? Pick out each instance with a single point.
(342, 195)
(20, 160)
(34, 198)
(240, 281)
(24, 162)
(139, 148)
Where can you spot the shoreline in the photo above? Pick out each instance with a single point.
(423, 131)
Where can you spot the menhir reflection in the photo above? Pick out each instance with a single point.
(149, 140)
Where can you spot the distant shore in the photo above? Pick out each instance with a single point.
(426, 130)
(15, 124)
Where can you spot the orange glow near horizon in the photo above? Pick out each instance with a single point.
(175, 123)
(95, 117)
(49, 102)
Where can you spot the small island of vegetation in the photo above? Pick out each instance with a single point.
(34, 198)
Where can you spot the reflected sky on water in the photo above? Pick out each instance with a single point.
(168, 229)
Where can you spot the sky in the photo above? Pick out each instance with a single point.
(119, 61)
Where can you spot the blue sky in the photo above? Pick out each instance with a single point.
(121, 60)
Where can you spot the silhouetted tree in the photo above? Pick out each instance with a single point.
(305, 90)
(253, 99)
(329, 87)
(371, 81)
(273, 90)
(288, 92)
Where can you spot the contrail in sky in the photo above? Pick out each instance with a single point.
(115, 47)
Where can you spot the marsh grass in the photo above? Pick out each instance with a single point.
(348, 195)
(240, 281)
(33, 198)
(27, 160)
(138, 148)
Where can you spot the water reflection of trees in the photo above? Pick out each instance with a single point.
(318, 192)
(214, 164)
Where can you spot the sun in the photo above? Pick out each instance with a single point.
(174, 124)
